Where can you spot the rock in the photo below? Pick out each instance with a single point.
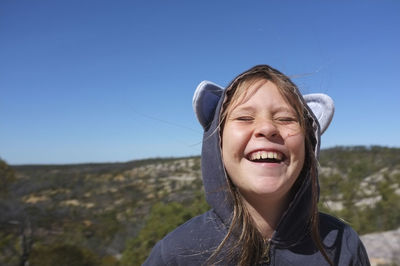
(383, 248)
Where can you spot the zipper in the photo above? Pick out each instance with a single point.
(266, 258)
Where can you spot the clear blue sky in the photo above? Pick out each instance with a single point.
(106, 81)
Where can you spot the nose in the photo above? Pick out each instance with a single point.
(266, 129)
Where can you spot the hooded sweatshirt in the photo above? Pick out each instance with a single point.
(193, 242)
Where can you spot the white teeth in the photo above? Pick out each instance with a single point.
(266, 155)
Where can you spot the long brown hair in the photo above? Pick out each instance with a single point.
(248, 247)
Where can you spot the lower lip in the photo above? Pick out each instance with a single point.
(265, 164)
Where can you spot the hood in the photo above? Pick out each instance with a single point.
(208, 100)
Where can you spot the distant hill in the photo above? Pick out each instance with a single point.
(99, 213)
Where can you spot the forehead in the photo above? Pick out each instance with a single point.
(260, 90)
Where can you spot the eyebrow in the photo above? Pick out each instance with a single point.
(242, 108)
(251, 108)
(284, 109)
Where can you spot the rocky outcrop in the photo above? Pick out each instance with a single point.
(383, 248)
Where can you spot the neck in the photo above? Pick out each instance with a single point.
(266, 213)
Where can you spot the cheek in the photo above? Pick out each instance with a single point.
(228, 158)
(289, 132)
(233, 140)
(296, 143)
(225, 142)
(226, 148)
(233, 143)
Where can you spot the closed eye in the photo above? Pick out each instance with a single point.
(286, 119)
(244, 118)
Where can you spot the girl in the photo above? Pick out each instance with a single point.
(259, 166)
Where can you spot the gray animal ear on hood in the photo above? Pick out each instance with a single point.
(322, 107)
(205, 100)
(208, 94)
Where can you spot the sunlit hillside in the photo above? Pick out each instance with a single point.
(113, 213)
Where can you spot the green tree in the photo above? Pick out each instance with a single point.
(163, 218)
(387, 210)
(63, 255)
(7, 177)
(16, 233)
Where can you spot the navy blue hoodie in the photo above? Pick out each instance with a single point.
(291, 244)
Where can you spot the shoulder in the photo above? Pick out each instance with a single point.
(190, 243)
(329, 224)
(339, 237)
(331, 228)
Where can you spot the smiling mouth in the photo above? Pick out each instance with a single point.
(266, 157)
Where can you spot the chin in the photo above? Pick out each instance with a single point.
(268, 191)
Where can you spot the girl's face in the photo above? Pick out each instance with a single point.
(262, 143)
